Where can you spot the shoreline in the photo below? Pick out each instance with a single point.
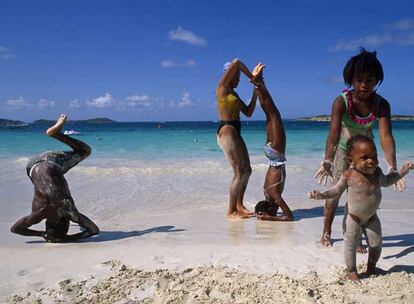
(150, 222)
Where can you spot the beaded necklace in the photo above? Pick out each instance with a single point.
(355, 118)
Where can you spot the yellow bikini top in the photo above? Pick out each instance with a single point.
(232, 103)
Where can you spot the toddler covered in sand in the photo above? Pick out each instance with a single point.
(363, 180)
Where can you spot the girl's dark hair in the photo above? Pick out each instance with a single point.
(364, 62)
(57, 230)
(356, 139)
(266, 206)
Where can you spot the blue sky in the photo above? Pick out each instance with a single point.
(161, 60)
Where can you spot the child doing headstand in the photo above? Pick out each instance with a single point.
(363, 180)
(52, 199)
(275, 152)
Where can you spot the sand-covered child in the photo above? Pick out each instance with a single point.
(52, 199)
(355, 112)
(363, 180)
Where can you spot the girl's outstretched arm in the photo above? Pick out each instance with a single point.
(385, 134)
(332, 140)
(387, 141)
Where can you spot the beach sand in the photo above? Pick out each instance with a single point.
(192, 253)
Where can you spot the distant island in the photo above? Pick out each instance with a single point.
(91, 121)
(328, 118)
(8, 123)
(12, 123)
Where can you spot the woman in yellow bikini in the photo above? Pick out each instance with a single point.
(229, 137)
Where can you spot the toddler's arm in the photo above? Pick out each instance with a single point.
(332, 192)
(394, 176)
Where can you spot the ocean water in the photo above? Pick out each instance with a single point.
(143, 170)
(180, 140)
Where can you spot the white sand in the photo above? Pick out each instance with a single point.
(257, 256)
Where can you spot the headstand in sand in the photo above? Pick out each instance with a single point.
(229, 138)
(363, 180)
(52, 199)
(275, 151)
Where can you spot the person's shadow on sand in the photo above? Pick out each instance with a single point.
(301, 214)
(106, 236)
(406, 240)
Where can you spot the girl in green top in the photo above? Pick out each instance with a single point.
(355, 112)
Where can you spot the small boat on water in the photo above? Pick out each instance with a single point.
(15, 126)
(72, 132)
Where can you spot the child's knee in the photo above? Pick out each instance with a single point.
(375, 244)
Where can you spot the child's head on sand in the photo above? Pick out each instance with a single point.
(57, 231)
(364, 66)
(362, 154)
(266, 207)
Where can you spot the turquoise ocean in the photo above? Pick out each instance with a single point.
(181, 140)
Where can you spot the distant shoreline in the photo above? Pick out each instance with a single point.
(9, 123)
(324, 118)
(18, 123)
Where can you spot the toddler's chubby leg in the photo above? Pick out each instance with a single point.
(352, 238)
(374, 239)
(331, 205)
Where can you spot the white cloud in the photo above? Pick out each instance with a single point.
(46, 104)
(335, 79)
(185, 101)
(373, 41)
(139, 101)
(75, 104)
(5, 53)
(181, 34)
(105, 101)
(403, 24)
(190, 63)
(17, 104)
(169, 63)
(407, 39)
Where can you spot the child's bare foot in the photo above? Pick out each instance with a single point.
(326, 239)
(237, 214)
(362, 249)
(354, 277)
(57, 127)
(245, 211)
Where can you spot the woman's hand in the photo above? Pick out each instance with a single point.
(324, 173)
